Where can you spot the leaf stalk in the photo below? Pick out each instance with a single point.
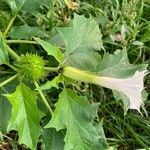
(43, 98)
(13, 53)
(9, 25)
(51, 69)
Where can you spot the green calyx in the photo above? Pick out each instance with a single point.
(79, 75)
(31, 67)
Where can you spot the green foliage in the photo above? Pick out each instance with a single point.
(3, 52)
(25, 5)
(81, 39)
(51, 50)
(26, 32)
(44, 109)
(73, 113)
(25, 115)
(53, 140)
(53, 83)
(117, 65)
(4, 115)
(4, 19)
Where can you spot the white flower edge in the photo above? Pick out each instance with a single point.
(132, 87)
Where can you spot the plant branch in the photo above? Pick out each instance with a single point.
(13, 53)
(8, 80)
(9, 25)
(21, 42)
(51, 69)
(12, 67)
(43, 98)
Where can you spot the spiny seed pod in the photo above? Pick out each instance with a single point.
(4, 19)
(31, 67)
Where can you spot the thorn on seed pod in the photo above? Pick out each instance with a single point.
(31, 67)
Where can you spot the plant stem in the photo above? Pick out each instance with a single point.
(13, 53)
(8, 80)
(12, 67)
(51, 69)
(21, 42)
(9, 25)
(43, 98)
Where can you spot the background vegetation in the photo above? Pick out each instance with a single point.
(124, 24)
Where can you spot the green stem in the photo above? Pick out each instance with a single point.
(9, 80)
(21, 19)
(9, 25)
(13, 53)
(43, 98)
(21, 42)
(51, 69)
(12, 67)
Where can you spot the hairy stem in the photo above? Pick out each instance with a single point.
(43, 98)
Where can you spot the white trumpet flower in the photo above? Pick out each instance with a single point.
(131, 87)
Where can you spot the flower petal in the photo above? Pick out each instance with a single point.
(131, 87)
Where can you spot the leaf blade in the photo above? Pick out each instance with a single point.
(53, 140)
(82, 38)
(51, 49)
(25, 115)
(4, 59)
(76, 115)
(26, 32)
(53, 83)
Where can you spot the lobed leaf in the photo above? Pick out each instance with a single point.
(81, 40)
(73, 113)
(25, 116)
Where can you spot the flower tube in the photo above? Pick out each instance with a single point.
(131, 87)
